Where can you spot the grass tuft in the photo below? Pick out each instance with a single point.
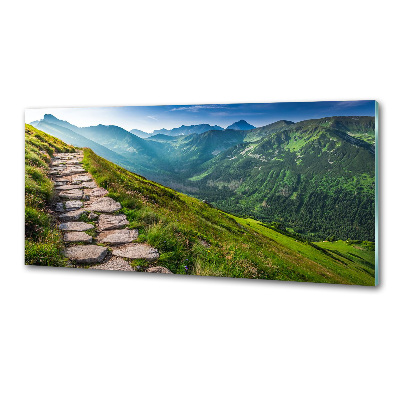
(43, 241)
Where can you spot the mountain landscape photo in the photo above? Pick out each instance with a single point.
(280, 191)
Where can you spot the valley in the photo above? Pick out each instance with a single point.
(314, 177)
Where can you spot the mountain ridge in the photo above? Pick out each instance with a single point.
(141, 134)
(186, 130)
(240, 125)
(309, 177)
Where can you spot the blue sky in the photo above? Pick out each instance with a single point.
(148, 118)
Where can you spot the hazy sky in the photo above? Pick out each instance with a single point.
(148, 118)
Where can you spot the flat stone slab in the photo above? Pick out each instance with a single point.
(114, 264)
(60, 155)
(75, 226)
(60, 181)
(63, 175)
(107, 222)
(68, 187)
(76, 170)
(89, 185)
(104, 204)
(72, 162)
(81, 178)
(158, 270)
(74, 194)
(56, 171)
(86, 254)
(73, 205)
(60, 207)
(59, 167)
(119, 236)
(72, 215)
(70, 171)
(71, 237)
(136, 251)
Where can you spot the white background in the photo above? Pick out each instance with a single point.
(70, 334)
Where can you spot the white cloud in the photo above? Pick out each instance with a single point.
(351, 103)
(152, 117)
(198, 107)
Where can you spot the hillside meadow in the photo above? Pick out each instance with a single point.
(196, 238)
(193, 237)
(43, 241)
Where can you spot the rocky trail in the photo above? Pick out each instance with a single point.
(95, 233)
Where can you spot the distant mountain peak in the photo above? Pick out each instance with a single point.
(187, 130)
(241, 125)
(50, 117)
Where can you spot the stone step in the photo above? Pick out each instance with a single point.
(73, 205)
(73, 162)
(61, 181)
(65, 172)
(55, 171)
(80, 178)
(158, 270)
(71, 237)
(114, 264)
(77, 169)
(136, 251)
(119, 236)
(72, 215)
(75, 226)
(74, 194)
(107, 222)
(89, 185)
(86, 254)
(104, 204)
(67, 155)
(68, 187)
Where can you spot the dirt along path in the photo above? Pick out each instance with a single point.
(95, 233)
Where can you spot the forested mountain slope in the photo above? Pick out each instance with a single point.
(313, 177)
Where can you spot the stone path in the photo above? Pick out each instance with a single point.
(106, 243)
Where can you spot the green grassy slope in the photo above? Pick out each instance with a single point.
(353, 259)
(313, 177)
(195, 238)
(43, 241)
